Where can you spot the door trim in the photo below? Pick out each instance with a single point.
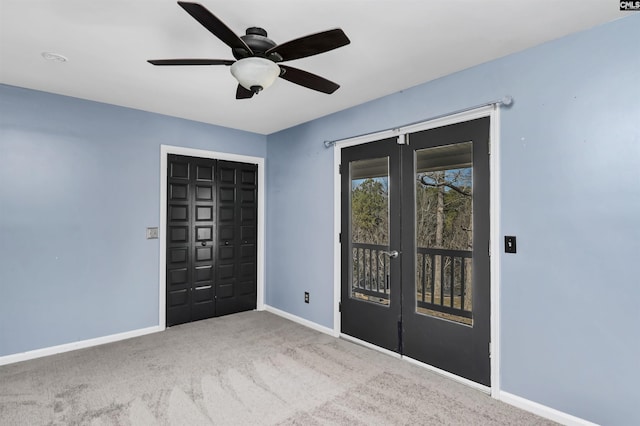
(165, 150)
(491, 111)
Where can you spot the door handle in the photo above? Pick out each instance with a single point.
(392, 254)
(204, 243)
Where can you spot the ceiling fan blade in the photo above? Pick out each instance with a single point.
(242, 93)
(308, 80)
(311, 45)
(190, 61)
(215, 25)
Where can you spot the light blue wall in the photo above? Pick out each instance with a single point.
(79, 183)
(570, 192)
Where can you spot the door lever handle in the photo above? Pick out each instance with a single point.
(392, 254)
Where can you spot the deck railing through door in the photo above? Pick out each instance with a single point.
(443, 277)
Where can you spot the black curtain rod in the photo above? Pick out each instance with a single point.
(505, 100)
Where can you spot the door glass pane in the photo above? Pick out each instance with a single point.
(444, 232)
(370, 230)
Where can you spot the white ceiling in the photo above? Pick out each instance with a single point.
(395, 44)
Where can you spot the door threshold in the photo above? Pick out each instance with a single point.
(456, 378)
(369, 345)
(459, 379)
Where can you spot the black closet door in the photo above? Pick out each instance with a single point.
(237, 237)
(190, 236)
(211, 238)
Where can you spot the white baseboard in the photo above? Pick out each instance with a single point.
(300, 320)
(543, 410)
(52, 350)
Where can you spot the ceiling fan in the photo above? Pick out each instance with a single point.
(258, 58)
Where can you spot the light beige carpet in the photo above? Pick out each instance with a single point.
(252, 368)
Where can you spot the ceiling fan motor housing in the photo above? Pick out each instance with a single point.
(256, 38)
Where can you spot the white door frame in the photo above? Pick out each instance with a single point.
(165, 150)
(493, 112)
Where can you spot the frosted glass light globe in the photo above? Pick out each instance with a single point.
(255, 74)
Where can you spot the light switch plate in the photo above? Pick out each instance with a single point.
(152, 233)
(509, 244)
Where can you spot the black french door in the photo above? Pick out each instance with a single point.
(371, 293)
(211, 238)
(415, 235)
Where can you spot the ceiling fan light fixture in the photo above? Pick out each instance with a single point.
(254, 73)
